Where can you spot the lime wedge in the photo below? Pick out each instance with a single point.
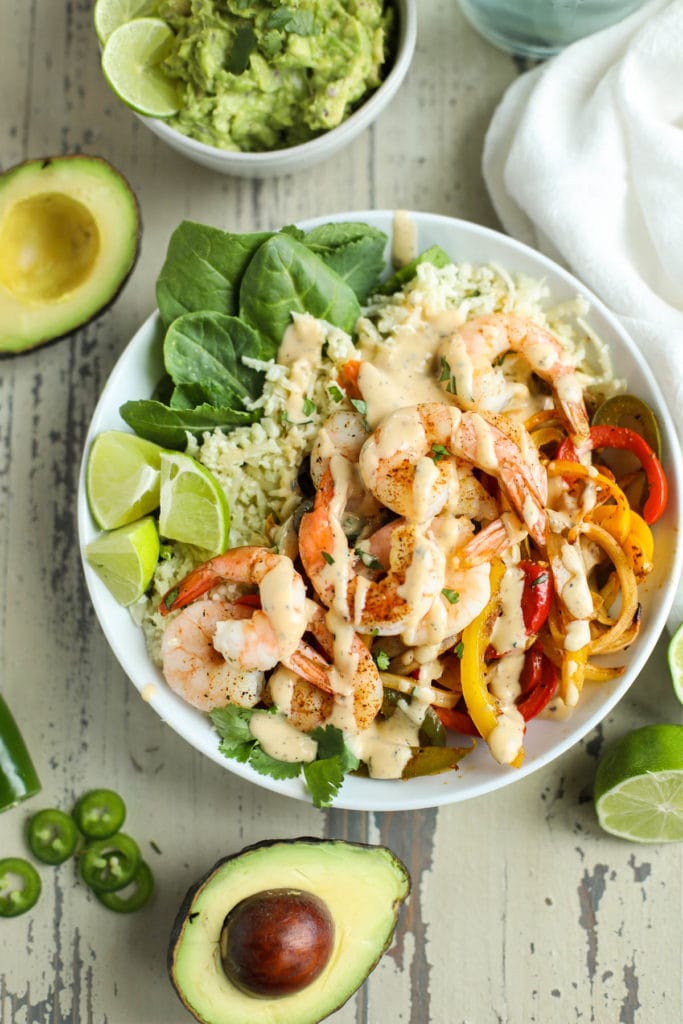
(639, 786)
(109, 14)
(121, 478)
(194, 508)
(130, 63)
(125, 559)
(675, 658)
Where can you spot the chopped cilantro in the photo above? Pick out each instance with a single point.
(368, 560)
(309, 407)
(244, 45)
(382, 660)
(336, 393)
(328, 557)
(439, 452)
(459, 649)
(541, 578)
(452, 596)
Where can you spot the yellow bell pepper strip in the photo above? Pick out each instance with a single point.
(18, 777)
(628, 440)
(617, 517)
(639, 547)
(482, 706)
(572, 675)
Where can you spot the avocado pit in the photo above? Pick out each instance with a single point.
(276, 942)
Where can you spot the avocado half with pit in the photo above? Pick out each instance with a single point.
(285, 931)
(69, 238)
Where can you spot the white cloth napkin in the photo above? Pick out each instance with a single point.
(583, 160)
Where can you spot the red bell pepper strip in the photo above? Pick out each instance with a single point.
(537, 595)
(538, 682)
(628, 440)
(457, 721)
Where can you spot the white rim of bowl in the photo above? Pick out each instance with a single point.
(404, 54)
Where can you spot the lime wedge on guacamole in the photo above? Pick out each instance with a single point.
(131, 61)
(109, 14)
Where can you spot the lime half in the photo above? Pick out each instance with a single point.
(110, 14)
(131, 61)
(121, 478)
(125, 559)
(675, 659)
(639, 785)
(193, 508)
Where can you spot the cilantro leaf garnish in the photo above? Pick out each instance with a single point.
(264, 764)
(325, 775)
(368, 560)
(382, 660)
(244, 45)
(328, 557)
(452, 596)
(309, 407)
(439, 452)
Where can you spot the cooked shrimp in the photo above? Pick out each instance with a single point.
(370, 605)
(472, 351)
(354, 697)
(409, 462)
(342, 433)
(273, 632)
(195, 670)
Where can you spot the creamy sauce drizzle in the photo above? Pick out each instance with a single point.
(281, 740)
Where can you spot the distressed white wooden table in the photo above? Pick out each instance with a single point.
(522, 911)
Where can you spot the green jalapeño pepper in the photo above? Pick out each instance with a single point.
(110, 864)
(18, 777)
(52, 836)
(19, 886)
(141, 889)
(100, 813)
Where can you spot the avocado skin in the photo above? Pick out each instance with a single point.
(66, 161)
(188, 903)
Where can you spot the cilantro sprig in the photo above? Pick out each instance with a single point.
(323, 777)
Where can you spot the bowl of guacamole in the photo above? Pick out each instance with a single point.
(270, 86)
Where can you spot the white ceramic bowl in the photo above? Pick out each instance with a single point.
(135, 376)
(296, 158)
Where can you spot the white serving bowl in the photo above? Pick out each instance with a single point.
(135, 376)
(297, 158)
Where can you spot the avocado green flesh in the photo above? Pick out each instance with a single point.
(69, 236)
(362, 887)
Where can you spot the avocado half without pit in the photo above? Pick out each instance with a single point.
(69, 238)
(285, 931)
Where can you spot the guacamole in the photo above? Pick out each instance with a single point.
(258, 75)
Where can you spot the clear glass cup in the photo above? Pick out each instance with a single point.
(541, 28)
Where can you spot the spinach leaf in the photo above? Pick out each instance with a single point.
(353, 250)
(434, 255)
(203, 269)
(285, 277)
(203, 355)
(167, 426)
